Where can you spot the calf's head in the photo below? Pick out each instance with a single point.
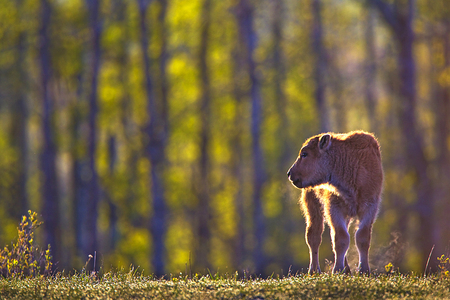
(312, 164)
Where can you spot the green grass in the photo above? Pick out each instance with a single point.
(25, 273)
(120, 285)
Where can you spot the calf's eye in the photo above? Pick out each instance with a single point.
(304, 154)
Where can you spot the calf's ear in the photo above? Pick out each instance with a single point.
(325, 142)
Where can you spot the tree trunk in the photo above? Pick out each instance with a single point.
(50, 209)
(442, 110)
(370, 70)
(163, 56)
(204, 193)
(19, 124)
(239, 92)
(156, 129)
(90, 244)
(320, 66)
(245, 19)
(279, 80)
(400, 20)
(279, 66)
(79, 182)
(338, 101)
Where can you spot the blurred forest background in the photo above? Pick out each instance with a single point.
(159, 133)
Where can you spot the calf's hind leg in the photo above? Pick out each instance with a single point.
(363, 237)
(346, 266)
(313, 210)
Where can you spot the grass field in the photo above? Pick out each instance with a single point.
(22, 264)
(121, 285)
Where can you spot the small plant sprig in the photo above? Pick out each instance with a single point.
(389, 268)
(444, 266)
(25, 259)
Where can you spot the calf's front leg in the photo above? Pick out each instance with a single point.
(313, 210)
(340, 237)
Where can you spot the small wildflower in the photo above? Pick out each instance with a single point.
(388, 268)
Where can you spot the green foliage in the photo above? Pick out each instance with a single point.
(25, 259)
(120, 285)
(444, 266)
(389, 268)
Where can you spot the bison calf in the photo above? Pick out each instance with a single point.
(341, 179)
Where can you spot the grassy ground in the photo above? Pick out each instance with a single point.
(21, 264)
(131, 286)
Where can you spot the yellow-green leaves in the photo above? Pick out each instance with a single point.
(25, 259)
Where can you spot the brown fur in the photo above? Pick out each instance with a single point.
(341, 177)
